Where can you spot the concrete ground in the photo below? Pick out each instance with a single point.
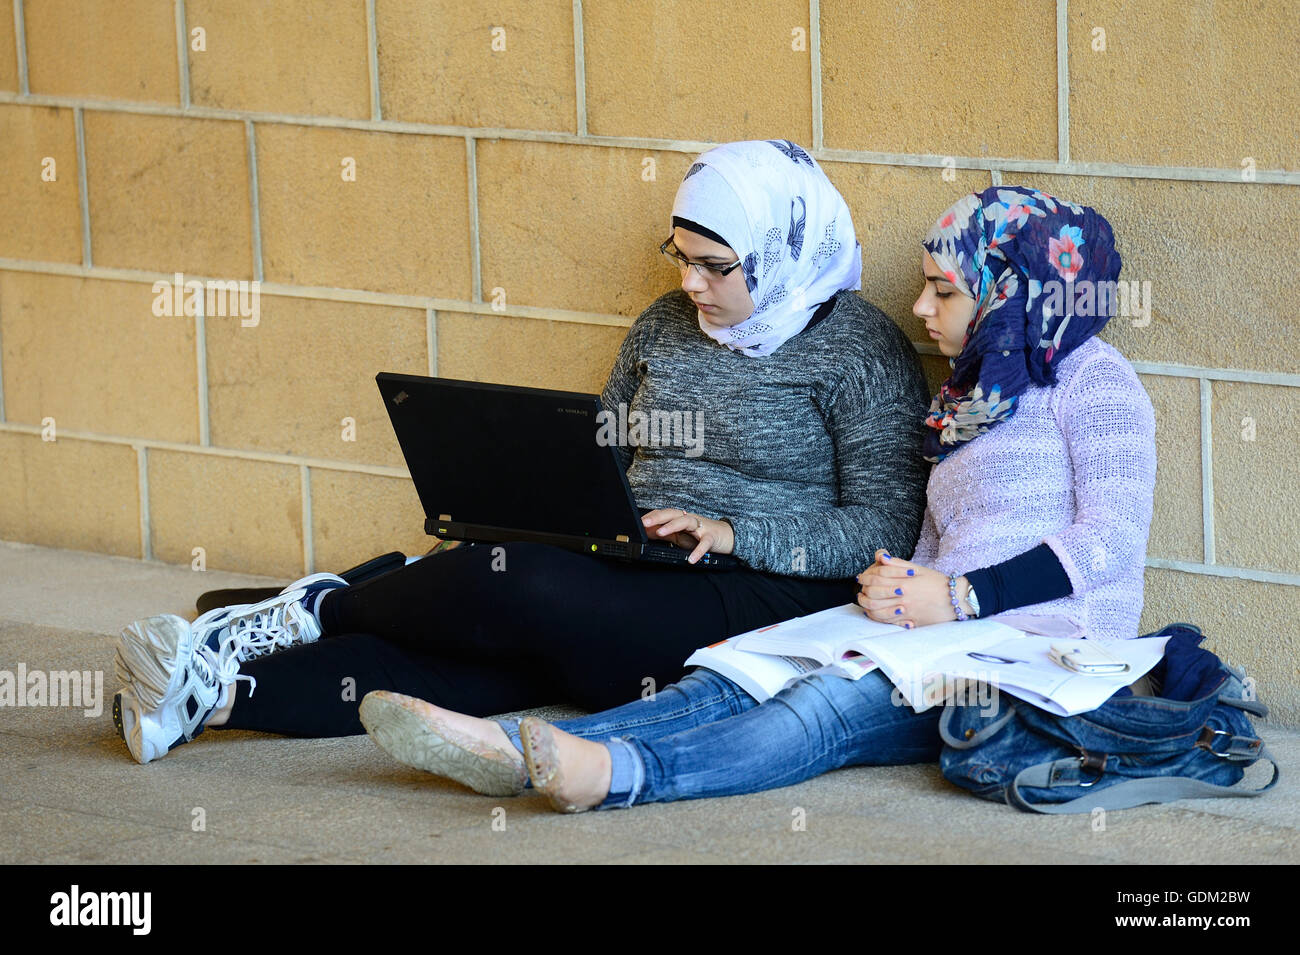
(70, 793)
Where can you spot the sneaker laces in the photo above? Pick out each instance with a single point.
(220, 667)
(277, 624)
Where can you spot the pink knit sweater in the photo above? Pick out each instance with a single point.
(1075, 467)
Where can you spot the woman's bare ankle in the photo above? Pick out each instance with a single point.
(587, 770)
(222, 714)
(574, 773)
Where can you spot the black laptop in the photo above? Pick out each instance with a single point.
(497, 463)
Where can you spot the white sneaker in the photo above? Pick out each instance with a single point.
(171, 685)
(175, 674)
(280, 622)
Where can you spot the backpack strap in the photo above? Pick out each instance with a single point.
(974, 739)
(1134, 792)
(1254, 707)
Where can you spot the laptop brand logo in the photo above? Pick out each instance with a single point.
(400, 397)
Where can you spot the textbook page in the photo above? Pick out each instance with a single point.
(822, 636)
(1023, 667)
(760, 675)
(908, 657)
(1034, 677)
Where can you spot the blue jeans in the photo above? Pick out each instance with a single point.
(705, 736)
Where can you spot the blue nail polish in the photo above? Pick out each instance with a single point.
(911, 572)
(907, 626)
(898, 591)
(898, 611)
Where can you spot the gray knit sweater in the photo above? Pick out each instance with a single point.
(811, 453)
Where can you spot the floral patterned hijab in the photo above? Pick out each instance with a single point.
(1042, 273)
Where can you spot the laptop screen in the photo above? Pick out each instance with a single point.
(510, 457)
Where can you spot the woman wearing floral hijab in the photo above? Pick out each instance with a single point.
(1041, 500)
(1038, 511)
(806, 404)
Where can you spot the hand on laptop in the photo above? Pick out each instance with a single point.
(700, 535)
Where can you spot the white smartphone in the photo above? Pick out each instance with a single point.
(1084, 656)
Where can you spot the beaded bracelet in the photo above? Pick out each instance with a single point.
(952, 592)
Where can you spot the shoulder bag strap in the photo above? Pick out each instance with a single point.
(1125, 795)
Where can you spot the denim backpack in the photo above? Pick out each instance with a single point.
(1193, 741)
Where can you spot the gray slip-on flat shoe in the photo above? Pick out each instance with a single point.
(414, 733)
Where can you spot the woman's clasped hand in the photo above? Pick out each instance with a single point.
(900, 592)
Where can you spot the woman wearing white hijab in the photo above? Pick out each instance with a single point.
(804, 463)
(770, 203)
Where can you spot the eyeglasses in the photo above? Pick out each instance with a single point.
(709, 272)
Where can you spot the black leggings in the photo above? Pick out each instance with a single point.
(487, 629)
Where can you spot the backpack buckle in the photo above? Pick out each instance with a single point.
(1206, 741)
(1094, 763)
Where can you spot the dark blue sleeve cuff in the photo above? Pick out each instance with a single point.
(1033, 577)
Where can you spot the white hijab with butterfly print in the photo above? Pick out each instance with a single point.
(789, 226)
